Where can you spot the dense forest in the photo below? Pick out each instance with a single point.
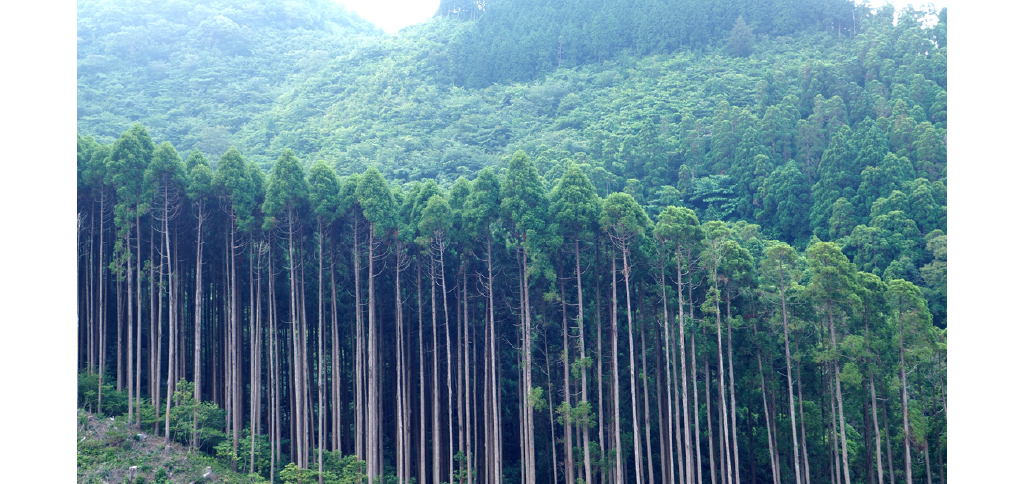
(322, 254)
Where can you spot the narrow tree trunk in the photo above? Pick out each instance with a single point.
(496, 433)
(198, 338)
(668, 473)
(732, 391)
(906, 413)
(682, 375)
(647, 405)
(171, 330)
(102, 313)
(360, 428)
(768, 421)
(320, 353)
(448, 367)
(711, 433)
(619, 479)
(421, 463)
(583, 372)
(138, 322)
(131, 329)
(839, 397)
(435, 408)
(789, 377)
(724, 422)
(567, 353)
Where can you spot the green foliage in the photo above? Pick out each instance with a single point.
(377, 201)
(337, 470)
(287, 191)
(741, 39)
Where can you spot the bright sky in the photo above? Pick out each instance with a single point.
(392, 15)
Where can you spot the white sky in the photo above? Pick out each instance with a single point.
(392, 15)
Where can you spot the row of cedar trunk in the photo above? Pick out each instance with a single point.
(482, 333)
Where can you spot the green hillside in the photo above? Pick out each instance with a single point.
(195, 72)
(552, 242)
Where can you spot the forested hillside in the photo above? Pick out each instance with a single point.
(714, 260)
(195, 72)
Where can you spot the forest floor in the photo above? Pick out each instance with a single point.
(109, 446)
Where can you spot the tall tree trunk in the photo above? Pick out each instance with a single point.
(839, 397)
(583, 372)
(904, 399)
(320, 353)
(171, 329)
(496, 415)
(373, 431)
(724, 423)
(401, 424)
(198, 337)
(711, 433)
(448, 367)
(131, 329)
(465, 369)
(619, 479)
(647, 405)
(768, 422)
(667, 425)
(682, 376)
(637, 455)
(360, 428)
(102, 312)
(335, 364)
(600, 360)
(789, 377)
(732, 390)
(567, 353)
(803, 426)
(421, 463)
(138, 322)
(435, 408)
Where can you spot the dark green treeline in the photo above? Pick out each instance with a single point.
(516, 327)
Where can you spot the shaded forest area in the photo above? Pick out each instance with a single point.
(451, 283)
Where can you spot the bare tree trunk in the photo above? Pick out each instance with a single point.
(335, 365)
(567, 422)
(682, 375)
(496, 416)
(724, 423)
(138, 322)
(360, 428)
(320, 353)
(619, 479)
(668, 474)
(131, 329)
(600, 361)
(421, 463)
(696, 401)
(803, 427)
(435, 408)
(839, 397)
(171, 330)
(768, 421)
(789, 378)
(448, 367)
(197, 371)
(583, 372)
(102, 313)
(711, 433)
(906, 414)
(878, 436)
(647, 405)
(732, 392)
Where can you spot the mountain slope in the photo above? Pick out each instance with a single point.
(194, 72)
